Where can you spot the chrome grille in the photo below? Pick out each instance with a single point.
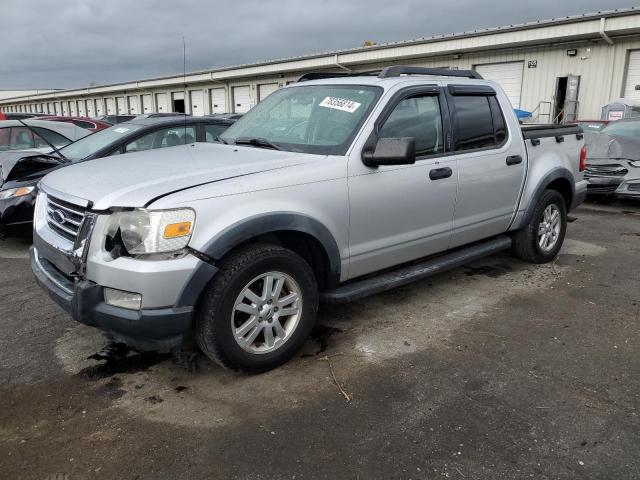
(612, 170)
(634, 187)
(64, 218)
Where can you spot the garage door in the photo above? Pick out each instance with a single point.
(111, 106)
(196, 99)
(633, 76)
(218, 100)
(265, 90)
(91, 110)
(507, 75)
(122, 106)
(81, 110)
(241, 99)
(134, 107)
(161, 102)
(146, 103)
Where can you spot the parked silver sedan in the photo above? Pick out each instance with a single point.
(38, 134)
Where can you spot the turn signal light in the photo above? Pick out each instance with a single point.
(583, 158)
(175, 230)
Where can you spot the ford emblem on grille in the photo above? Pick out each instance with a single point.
(59, 216)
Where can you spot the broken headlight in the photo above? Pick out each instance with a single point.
(144, 232)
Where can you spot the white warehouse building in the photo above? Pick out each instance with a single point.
(564, 68)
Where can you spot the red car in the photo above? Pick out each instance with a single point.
(82, 122)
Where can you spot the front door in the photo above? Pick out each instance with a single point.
(401, 213)
(491, 164)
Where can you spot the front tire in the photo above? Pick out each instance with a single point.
(258, 310)
(541, 239)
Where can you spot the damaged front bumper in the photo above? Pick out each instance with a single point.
(155, 328)
(630, 188)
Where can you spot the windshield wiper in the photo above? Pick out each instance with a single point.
(36, 134)
(220, 140)
(256, 142)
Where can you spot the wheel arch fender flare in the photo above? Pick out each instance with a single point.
(559, 173)
(253, 227)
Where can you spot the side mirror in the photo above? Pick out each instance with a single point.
(391, 151)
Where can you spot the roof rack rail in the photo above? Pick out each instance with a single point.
(389, 72)
(321, 75)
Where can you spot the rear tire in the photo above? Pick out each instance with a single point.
(258, 310)
(541, 239)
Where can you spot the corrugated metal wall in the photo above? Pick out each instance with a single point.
(601, 68)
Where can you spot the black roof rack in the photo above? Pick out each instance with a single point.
(389, 72)
(321, 75)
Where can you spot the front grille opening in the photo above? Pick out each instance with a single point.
(605, 171)
(64, 218)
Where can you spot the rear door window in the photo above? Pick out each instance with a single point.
(474, 124)
(167, 137)
(5, 135)
(21, 139)
(52, 137)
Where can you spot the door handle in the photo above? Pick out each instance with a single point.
(514, 160)
(440, 173)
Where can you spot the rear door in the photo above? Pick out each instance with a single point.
(404, 212)
(491, 162)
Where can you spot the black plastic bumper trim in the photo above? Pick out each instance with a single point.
(86, 305)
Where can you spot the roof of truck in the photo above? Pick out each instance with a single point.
(394, 75)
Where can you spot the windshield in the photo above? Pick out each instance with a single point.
(89, 145)
(623, 129)
(319, 119)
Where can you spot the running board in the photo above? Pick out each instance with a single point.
(370, 286)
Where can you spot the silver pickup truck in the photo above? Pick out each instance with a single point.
(332, 189)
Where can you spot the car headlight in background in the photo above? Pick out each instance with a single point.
(635, 164)
(154, 231)
(16, 192)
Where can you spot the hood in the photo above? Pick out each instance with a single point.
(136, 179)
(24, 165)
(606, 147)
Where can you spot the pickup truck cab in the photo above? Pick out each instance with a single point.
(333, 188)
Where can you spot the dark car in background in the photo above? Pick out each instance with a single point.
(83, 122)
(114, 119)
(21, 171)
(592, 126)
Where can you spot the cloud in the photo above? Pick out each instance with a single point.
(48, 43)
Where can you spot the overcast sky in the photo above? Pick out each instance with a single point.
(72, 43)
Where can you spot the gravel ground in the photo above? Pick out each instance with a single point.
(497, 370)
